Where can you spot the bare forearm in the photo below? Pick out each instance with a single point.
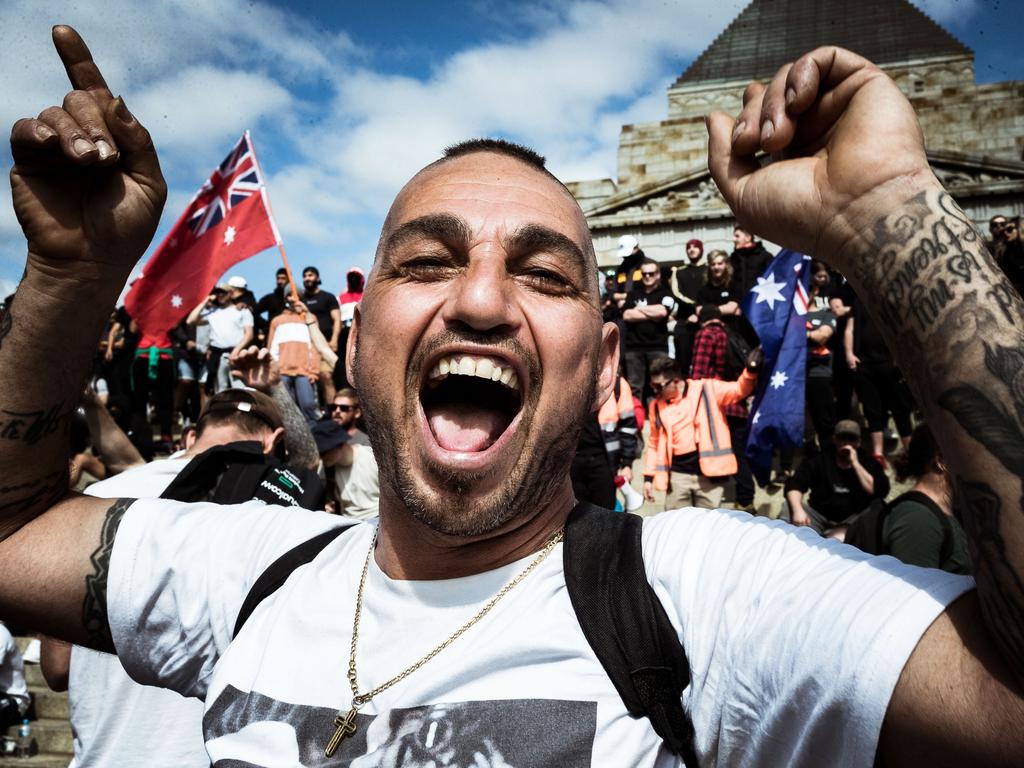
(110, 441)
(865, 478)
(46, 347)
(954, 326)
(297, 437)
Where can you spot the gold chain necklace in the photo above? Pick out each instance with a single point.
(346, 724)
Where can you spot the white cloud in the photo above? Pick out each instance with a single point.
(203, 106)
(343, 136)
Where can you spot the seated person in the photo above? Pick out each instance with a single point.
(830, 488)
(920, 528)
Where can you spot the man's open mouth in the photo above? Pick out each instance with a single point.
(470, 401)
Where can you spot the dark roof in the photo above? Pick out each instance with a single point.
(768, 33)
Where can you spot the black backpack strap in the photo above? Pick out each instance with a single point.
(277, 573)
(625, 623)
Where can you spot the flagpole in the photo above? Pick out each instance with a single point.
(270, 215)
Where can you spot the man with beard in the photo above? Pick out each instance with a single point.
(478, 351)
(325, 308)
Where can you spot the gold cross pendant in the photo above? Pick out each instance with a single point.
(346, 726)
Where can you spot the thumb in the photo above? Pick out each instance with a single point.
(726, 168)
(138, 155)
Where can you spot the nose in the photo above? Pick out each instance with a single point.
(481, 299)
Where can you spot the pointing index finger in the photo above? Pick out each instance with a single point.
(82, 70)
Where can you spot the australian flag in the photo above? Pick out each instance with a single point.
(777, 307)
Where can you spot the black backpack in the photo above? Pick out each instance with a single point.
(621, 616)
(865, 532)
(737, 349)
(239, 472)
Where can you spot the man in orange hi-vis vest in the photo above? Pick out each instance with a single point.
(690, 454)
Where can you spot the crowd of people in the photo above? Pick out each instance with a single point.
(479, 358)
(683, 336)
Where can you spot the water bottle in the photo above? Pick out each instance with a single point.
(25, 739)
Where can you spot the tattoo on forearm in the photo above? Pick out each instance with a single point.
(38, 495)
(32, 426)
(297, 437)
(1002, 598)
(94, 607)
(951, 317)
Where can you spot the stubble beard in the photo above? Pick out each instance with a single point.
(438, 500)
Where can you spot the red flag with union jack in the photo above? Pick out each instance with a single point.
(227, 221)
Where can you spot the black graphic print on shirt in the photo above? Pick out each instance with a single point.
(258, 731)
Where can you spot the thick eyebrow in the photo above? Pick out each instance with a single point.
(532, 238)
(442, 227)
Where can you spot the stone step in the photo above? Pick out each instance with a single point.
(50, 704)
(34, 678)
(36, 761)
(52, 736)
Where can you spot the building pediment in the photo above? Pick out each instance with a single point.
(970, 176)
(694, 195)
(691, 195)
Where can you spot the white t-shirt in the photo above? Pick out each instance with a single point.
(781, 676)
(227, 325)
(114, 720)
(359, 484)
(12, 670)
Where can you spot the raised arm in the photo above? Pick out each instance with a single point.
(256, 368)
(849, 150)
(88, 193)
(111, 443)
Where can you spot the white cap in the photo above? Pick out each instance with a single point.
(237, 281)
(626, 245)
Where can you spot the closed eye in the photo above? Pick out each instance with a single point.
(546, 280)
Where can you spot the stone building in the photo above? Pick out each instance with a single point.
(664, 195)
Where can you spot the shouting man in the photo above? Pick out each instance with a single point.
(478, 351)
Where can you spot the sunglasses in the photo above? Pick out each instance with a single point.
(1010, 228)
(342, 408)
(656, 388)
(649, 274)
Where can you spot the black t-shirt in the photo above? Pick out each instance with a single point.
(836, 493)
(819, 356)
(718, 295)
(320, 304)
(649, 334)
(628, 273)
(689, 280)
(272, 304)
(131, 338)
(868, 344)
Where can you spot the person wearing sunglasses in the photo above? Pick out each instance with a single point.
(646, 314)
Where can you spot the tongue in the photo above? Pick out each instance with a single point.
(465, 427)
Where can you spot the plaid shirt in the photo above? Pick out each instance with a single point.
(709, 346)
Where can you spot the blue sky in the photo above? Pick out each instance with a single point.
(345, 100)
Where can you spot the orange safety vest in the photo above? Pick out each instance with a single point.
(694, 422)
(612, 410)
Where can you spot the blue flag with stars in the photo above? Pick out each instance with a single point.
(777, 307)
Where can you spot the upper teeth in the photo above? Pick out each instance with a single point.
(482, 367)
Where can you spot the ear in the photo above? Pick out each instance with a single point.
(350, 347)
(607, 364)
(190, 439)
(271, 440)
